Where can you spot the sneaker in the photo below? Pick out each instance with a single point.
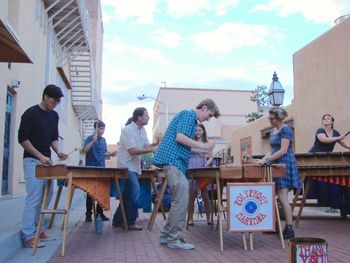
(88, 218)
(30, 243)
(45, 237)
(135, 227)
(163, 240)
(180, 244)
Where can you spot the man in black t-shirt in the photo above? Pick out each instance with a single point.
(38, 132)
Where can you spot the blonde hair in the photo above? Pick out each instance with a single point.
(211, 105)
(278, 112)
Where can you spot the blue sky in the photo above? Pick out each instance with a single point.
(226, 44)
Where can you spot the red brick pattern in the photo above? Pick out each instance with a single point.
(116, 245)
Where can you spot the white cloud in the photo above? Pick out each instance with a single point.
(235, 35)
(325, 11)
(222, 6)
(143, 11)
(260, 72)
(167, 38)
(228, 73)
(149, 54)
(181, 8)
(117, 47)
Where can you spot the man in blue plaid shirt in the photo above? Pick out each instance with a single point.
(172, 155)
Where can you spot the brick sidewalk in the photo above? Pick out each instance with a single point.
(116, 245)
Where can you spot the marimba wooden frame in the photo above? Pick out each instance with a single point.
(234, 174)
(153, 175)
(68, 173)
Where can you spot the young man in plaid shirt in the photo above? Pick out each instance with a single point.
(172, 155)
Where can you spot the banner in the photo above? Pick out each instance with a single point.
(251, 207)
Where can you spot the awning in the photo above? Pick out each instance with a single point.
(10, 49)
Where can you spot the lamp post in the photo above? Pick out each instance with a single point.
(276, 91)
(161, 102)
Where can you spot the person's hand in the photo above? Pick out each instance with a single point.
(341, 137)
(45, 160)
(153, 148)
(113, 153)
(265, 159)
(262, 161)
(208, 163)
(209, 146)
(62, 156)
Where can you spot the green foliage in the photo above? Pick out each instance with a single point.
(262, 99)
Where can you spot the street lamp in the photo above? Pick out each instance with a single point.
(161, 102)
(276, 91)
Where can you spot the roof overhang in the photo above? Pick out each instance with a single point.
(10, 48)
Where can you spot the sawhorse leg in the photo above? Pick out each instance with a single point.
(70, 203)
(157, 193)
(66, 216)
(121, 203)
(279, 224)
(297, 193)
(220, 209)
(57, 200)
(156, 207)
(303, 201)
(41, 218)
(188, 207)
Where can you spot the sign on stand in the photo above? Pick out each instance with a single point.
(251, 207)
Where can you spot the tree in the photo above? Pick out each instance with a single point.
(262, 99)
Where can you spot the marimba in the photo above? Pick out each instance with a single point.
(244, 173)
(93, 180)
(331, 167)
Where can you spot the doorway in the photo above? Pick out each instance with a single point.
(6, 156)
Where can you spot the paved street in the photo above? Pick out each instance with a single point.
(116, 245)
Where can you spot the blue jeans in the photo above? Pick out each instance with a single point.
(34, 189)
(131, 196)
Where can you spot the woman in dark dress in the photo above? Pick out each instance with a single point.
(281, 143)
(327, 194)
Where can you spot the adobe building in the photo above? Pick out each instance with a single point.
(44, 42)
(321, 85)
